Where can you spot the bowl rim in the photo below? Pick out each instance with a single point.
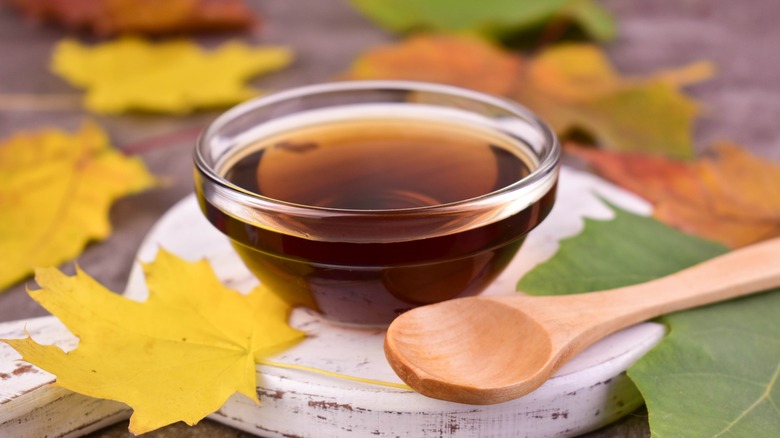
(547, 163)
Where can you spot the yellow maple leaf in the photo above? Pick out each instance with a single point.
(55, 195)
(174, 76)
(178, 356)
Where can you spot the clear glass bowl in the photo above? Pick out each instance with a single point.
(367, 265)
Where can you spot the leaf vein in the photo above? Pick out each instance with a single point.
(715, 330)
(713, 374)
(764, 396)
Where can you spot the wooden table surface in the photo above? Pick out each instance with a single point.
(742, 103)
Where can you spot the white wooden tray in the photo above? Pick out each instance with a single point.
(590, 391)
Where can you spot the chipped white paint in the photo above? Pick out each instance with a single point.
(590, 391)
(30, 406)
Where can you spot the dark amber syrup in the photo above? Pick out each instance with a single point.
(378, 164)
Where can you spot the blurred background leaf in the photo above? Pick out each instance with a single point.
(493, 18)
(112, 17)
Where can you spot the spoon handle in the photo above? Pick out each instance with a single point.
(741, 272)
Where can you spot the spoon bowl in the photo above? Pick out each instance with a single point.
(505, 357)
(486, 350)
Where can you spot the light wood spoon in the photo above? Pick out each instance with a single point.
(486, 350)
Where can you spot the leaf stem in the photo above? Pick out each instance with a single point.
(552, 32)
(332, 374)
(40, 102)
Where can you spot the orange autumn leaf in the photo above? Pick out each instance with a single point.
(751, 184)
(570, 86)
(111, 17)
(462, 61)
(728, 195)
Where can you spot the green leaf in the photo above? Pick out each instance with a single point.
(594, 20)
(490, 17)
(717, 373)
(627, 250)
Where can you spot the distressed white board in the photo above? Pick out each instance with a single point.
(588, 392)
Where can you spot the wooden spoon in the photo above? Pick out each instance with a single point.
(486, 350)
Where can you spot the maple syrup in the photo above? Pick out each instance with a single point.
(380, 199)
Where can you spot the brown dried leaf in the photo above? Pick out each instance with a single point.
(111, 17)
